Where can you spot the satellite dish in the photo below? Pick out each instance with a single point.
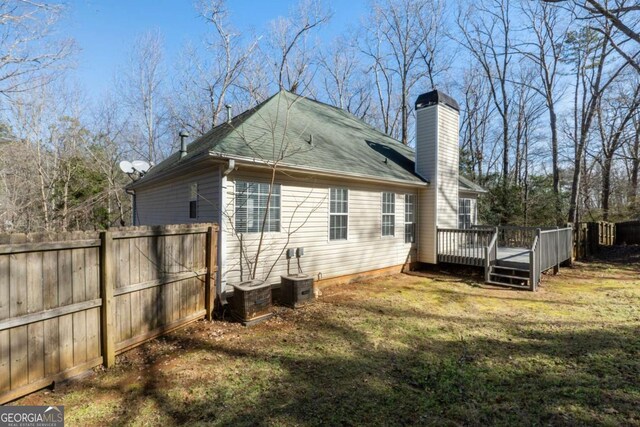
(126, 167)
(140, 165)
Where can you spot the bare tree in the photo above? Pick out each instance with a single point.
(613, 119)
(435, 52)
(213, 77)
(620, 14)
(545, 52)
(475, 124)
(487, 35)
(140, 87)
(632, 155)
(595, 70)
(404, 45)
(31, 56)
(343, 80)
(293, 56)
(106, 151)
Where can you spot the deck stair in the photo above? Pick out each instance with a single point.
(505, 275)
(511, 256)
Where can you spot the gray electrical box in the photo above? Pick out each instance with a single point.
(290, 253)
(299, 252)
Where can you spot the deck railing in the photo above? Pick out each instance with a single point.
(463, 246)
(548, 247)
(490, 255)
(534, 263)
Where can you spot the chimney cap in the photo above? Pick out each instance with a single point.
(184, 134)
(436, 97)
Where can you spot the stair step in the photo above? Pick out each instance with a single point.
(504, 267)
(511, 285)
(506, 276)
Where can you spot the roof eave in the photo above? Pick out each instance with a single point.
(181, 166)
(315, 171)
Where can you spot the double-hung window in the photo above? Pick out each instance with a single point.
(253, 203)
(464, 213)
(388, 214)
(193, 201)
(409, 218)
(338, 213)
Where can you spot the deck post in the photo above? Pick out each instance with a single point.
(487, 266)
(107, 277)
(556, 268)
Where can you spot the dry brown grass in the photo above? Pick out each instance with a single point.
(405, 349)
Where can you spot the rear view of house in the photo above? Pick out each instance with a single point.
(354, 198)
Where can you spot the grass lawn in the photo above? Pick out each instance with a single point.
(407, 349)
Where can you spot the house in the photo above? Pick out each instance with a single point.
(354, 198)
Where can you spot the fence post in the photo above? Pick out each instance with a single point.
(106, 293)
(212, 269)
(556, 267)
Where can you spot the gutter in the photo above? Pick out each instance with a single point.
(249, 161)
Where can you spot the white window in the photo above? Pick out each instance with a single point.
(388, 214)
(193, 201)
(409, 218)
(338, 213)
(465, 216)
(252, 199)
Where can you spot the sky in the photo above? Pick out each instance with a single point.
(105, 30)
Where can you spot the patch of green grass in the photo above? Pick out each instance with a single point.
(406, 349)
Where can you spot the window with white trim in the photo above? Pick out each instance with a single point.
(193, 201)
(409, 218)
(252, 199)
(388, 214)
(465, 215)
(338, 213)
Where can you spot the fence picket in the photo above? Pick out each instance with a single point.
(58, 312)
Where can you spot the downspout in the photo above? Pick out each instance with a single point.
(222, 237)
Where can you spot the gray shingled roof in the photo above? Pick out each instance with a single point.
(303, 133)
(465, 184)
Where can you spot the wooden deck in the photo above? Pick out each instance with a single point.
(511, 257)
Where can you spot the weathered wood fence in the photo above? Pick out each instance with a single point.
(590, 236)
(72, 301)
(628, 233)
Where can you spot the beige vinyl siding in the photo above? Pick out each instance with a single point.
(167, 202)
(305, 208)
(437, 161)
(448, 167)
(426, 158)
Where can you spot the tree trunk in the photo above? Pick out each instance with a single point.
(405, 113)
(606, 185)
(635, 168)
(554, 161)
(505, 153)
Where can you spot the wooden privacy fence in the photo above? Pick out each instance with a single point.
(628, 233)
(72, 301)
(590, 236)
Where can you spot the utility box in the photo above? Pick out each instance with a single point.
(296, 290)
(251, 302)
